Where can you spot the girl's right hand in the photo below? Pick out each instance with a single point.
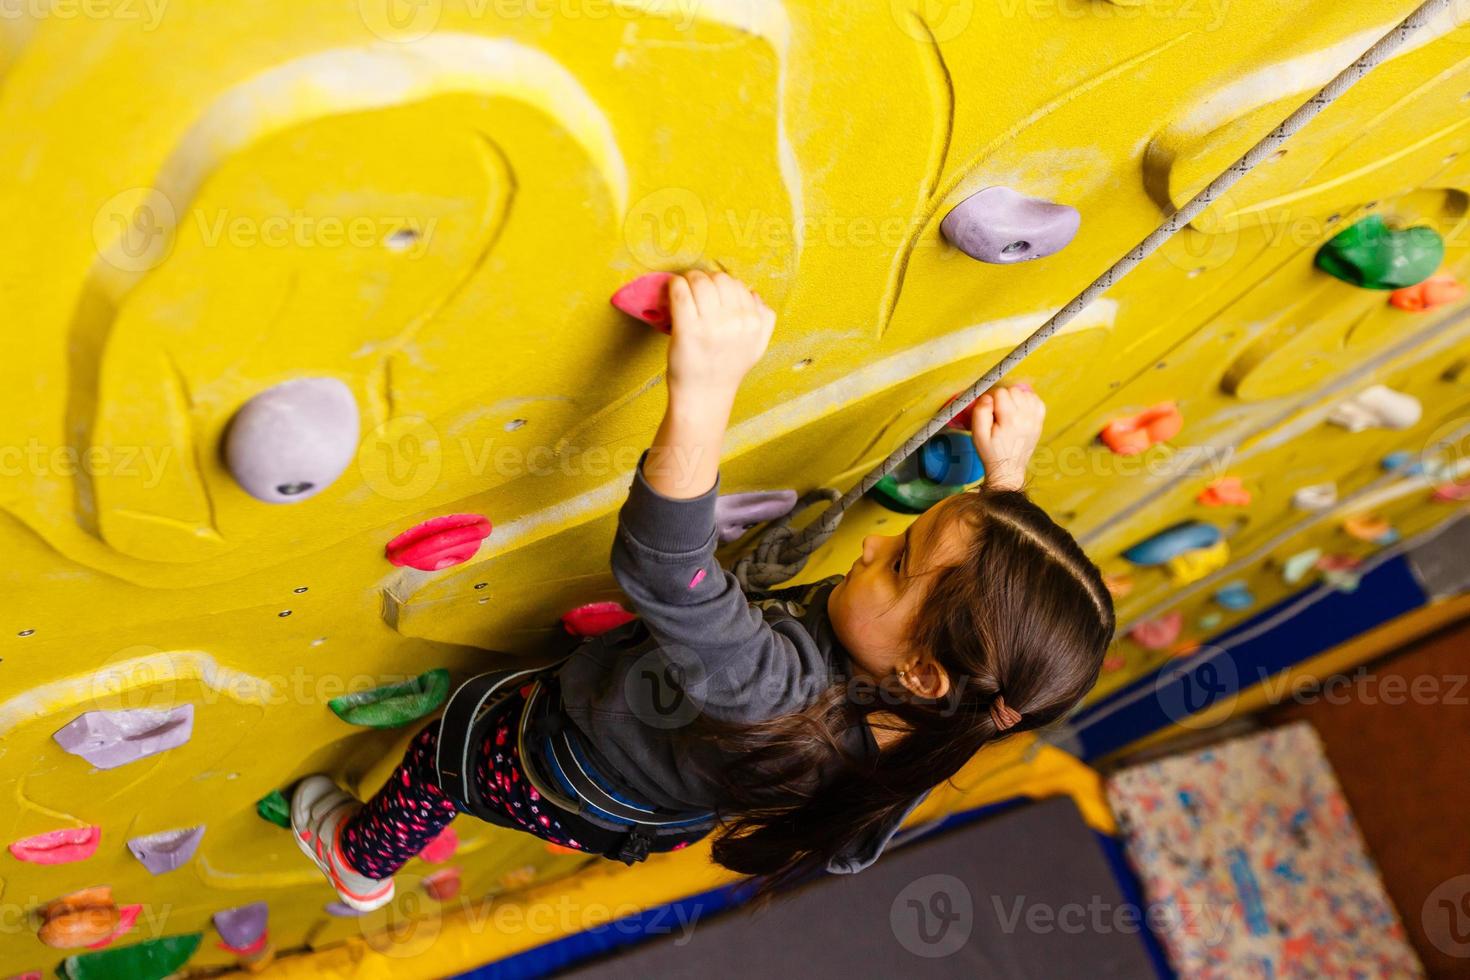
(1006, 426)
(720, 330)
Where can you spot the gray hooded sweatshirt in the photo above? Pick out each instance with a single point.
(699, 645)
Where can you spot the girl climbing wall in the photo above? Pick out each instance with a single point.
(801, 729)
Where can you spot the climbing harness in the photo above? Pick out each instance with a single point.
(554, 760)
(781, 552)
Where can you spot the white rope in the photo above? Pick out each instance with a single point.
(795, 549)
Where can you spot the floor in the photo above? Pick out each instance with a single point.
(1398, 734)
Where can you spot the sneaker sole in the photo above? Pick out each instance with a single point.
(369, 904)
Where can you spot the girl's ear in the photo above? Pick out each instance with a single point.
(925, 678)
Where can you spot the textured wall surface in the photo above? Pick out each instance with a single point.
(432, 204)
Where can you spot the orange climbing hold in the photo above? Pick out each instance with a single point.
(443, 885)
(1228, 491)
(1134, 434)
(1437, 290)
(1119, 585)
(82, 918)
(1158, 634)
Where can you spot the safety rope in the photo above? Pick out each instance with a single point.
(781, 553)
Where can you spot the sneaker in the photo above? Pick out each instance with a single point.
(318, 810)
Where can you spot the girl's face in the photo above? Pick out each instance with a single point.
(872, 607)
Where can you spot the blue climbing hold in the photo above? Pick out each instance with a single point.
(1177, 540)
(1404, 462)
(950, 459)
(1236, 596)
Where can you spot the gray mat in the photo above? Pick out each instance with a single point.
(1027, 895)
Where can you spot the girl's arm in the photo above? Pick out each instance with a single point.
(720, 330)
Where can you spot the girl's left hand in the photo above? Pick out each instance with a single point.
(1006, 426)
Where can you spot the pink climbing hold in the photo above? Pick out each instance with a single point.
(443, 885)
(1450, 493)
(647, 298)
(1338, 563)
(441, 848)
(698, 577)
(439, 543)
(736, 513)
(595, 618)
(1228, 491)
(1158, 634)
(108, 739)
(166, 851)
(127, 917)
(58, 846)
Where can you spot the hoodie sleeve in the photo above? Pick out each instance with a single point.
(864, 856)
(740, 667)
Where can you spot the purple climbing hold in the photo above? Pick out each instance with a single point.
(108, 739)
(342, 910)
(736, 513)
(243, 926)
(293, 440)
(166, 851)
(1000, 226)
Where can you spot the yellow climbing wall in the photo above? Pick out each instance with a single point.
(432, 202)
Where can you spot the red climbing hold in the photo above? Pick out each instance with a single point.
(443, 885)
(1134, 434)
(1228, 491)
(440, 543)
(1438, 290)
(58, 846)
(595, 618)
(1158, 634)
(647, 298)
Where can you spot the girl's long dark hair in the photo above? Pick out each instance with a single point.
(1024, 614)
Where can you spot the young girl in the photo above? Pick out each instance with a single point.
(801, 728)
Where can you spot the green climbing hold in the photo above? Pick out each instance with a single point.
(150, 960)
(912, 496)
(274, 807)
(396, 704)
(1374, 256)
